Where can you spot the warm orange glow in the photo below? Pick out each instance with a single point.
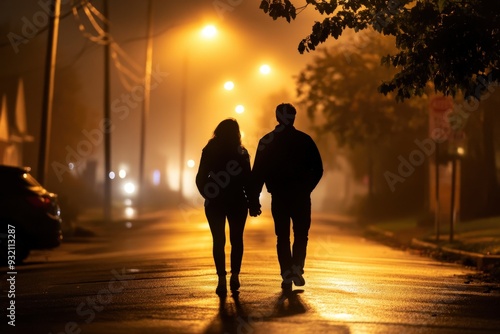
(265, 69)
(129, 188)
(122, 173)
(240, 109)
(130, 212)
(209, 31)
(229, 85)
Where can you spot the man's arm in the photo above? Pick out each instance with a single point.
(257, 182)
(316, 165)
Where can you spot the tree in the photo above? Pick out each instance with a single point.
(338, 90)
(480, 195)
(453, 44)
(341, 94)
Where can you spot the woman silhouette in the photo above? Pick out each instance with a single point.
(223, 179)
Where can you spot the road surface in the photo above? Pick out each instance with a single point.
(158, 277)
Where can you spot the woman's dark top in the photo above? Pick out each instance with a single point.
(224, 173)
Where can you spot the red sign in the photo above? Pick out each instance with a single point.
(440, 107)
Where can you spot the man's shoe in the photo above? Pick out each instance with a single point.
(287, 287)
(234, 282)
(298, 280)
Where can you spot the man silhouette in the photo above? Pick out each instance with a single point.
(288, 162)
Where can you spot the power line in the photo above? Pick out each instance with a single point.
(129, 72)
(42, 30)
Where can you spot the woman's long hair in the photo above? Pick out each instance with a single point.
(227, 134)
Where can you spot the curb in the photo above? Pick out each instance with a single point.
(377, 230)
(92, 228)
(481, 261)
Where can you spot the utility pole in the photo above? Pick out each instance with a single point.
(107, 119)
(183, 121)
(146, 103)
(48, 91)
(437, 211)
(452, 200)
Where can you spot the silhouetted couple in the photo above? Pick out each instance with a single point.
(288, 162)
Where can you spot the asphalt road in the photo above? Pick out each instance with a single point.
(159, 277)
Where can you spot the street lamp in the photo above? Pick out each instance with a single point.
(229, 85)
(265, 69)
(208, 32)
(240, 109)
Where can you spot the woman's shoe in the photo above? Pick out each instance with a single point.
(221, 286)
(234, 282)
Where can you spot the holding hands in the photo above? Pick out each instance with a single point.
(254, 209)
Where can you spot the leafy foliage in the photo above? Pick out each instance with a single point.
(455, 44)
(339, 91)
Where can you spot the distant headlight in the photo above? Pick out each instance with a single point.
(129, 188)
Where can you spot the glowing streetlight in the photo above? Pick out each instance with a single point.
(190, 163)
(240, 109)
(229, 85)
(129, 188)
(122, 173)
(209, 31)
(129, 212)
(265, 69)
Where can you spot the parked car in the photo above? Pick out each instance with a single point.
(33, 211)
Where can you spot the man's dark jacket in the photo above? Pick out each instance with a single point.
(287, 161)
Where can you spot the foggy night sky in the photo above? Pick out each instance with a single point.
(247, 38)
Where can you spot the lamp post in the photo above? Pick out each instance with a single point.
(146, 104)
(208, 32)
(48, 91)
(182, 156)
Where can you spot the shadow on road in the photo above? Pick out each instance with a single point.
(289, 304)
(233, 316)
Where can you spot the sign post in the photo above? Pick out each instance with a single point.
(439, 127)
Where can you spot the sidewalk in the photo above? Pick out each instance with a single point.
(474, 244)
(91, 222)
